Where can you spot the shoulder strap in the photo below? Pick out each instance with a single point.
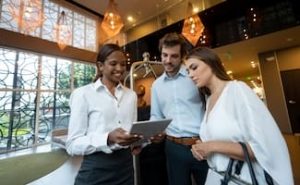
(228, 173)
(268, 178)
(238, 167)
(248, 161)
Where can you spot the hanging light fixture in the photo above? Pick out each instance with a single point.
(28, 14)
(112, 22)
(192, 26)
(62, 30)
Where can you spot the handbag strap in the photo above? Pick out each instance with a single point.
(238, 167)
(268, 178)
(248, 161)
(228, 173)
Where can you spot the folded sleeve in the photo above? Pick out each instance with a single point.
(263, 135)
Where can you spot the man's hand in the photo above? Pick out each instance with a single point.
(135, 150)
(158, 138)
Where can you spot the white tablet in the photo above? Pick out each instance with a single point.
(149, 128)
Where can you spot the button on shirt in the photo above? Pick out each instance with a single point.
(177, 98)
(94, 113)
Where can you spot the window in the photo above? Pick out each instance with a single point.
(83, 28)
(34, 94)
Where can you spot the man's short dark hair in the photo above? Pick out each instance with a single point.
(173, 39)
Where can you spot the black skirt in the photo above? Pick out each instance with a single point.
(106, 169)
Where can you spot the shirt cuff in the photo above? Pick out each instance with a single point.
(100, 142)
(116, 146)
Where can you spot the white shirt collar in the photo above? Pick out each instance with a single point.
(98, 84)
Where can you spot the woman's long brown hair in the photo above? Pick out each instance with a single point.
(210, 58)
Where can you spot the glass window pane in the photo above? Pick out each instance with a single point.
(27, 71)
(7, 21)
(7, 67)
(5, 106)
(90, 38)
(78, 34)
(63, 74)
(58, 69)
(46, 108)
(24, 120)
(62, 110)
(77, 16)
(55, 105)
(83, 74)
(48, 27)
(90, 22)
(48, 73)
(5, 100)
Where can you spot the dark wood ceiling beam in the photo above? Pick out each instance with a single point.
(26, 42)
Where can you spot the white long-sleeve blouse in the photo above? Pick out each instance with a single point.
(239, 115)
(94, 113)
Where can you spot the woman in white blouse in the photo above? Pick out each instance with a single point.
(235, 114)
(101, 115)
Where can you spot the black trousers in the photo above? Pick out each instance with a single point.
(153, 168)
(182, 166)
(106, 169)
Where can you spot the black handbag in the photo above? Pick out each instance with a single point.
(228, 176)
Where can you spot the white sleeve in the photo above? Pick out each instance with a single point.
(78, 141)
(263, 135)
